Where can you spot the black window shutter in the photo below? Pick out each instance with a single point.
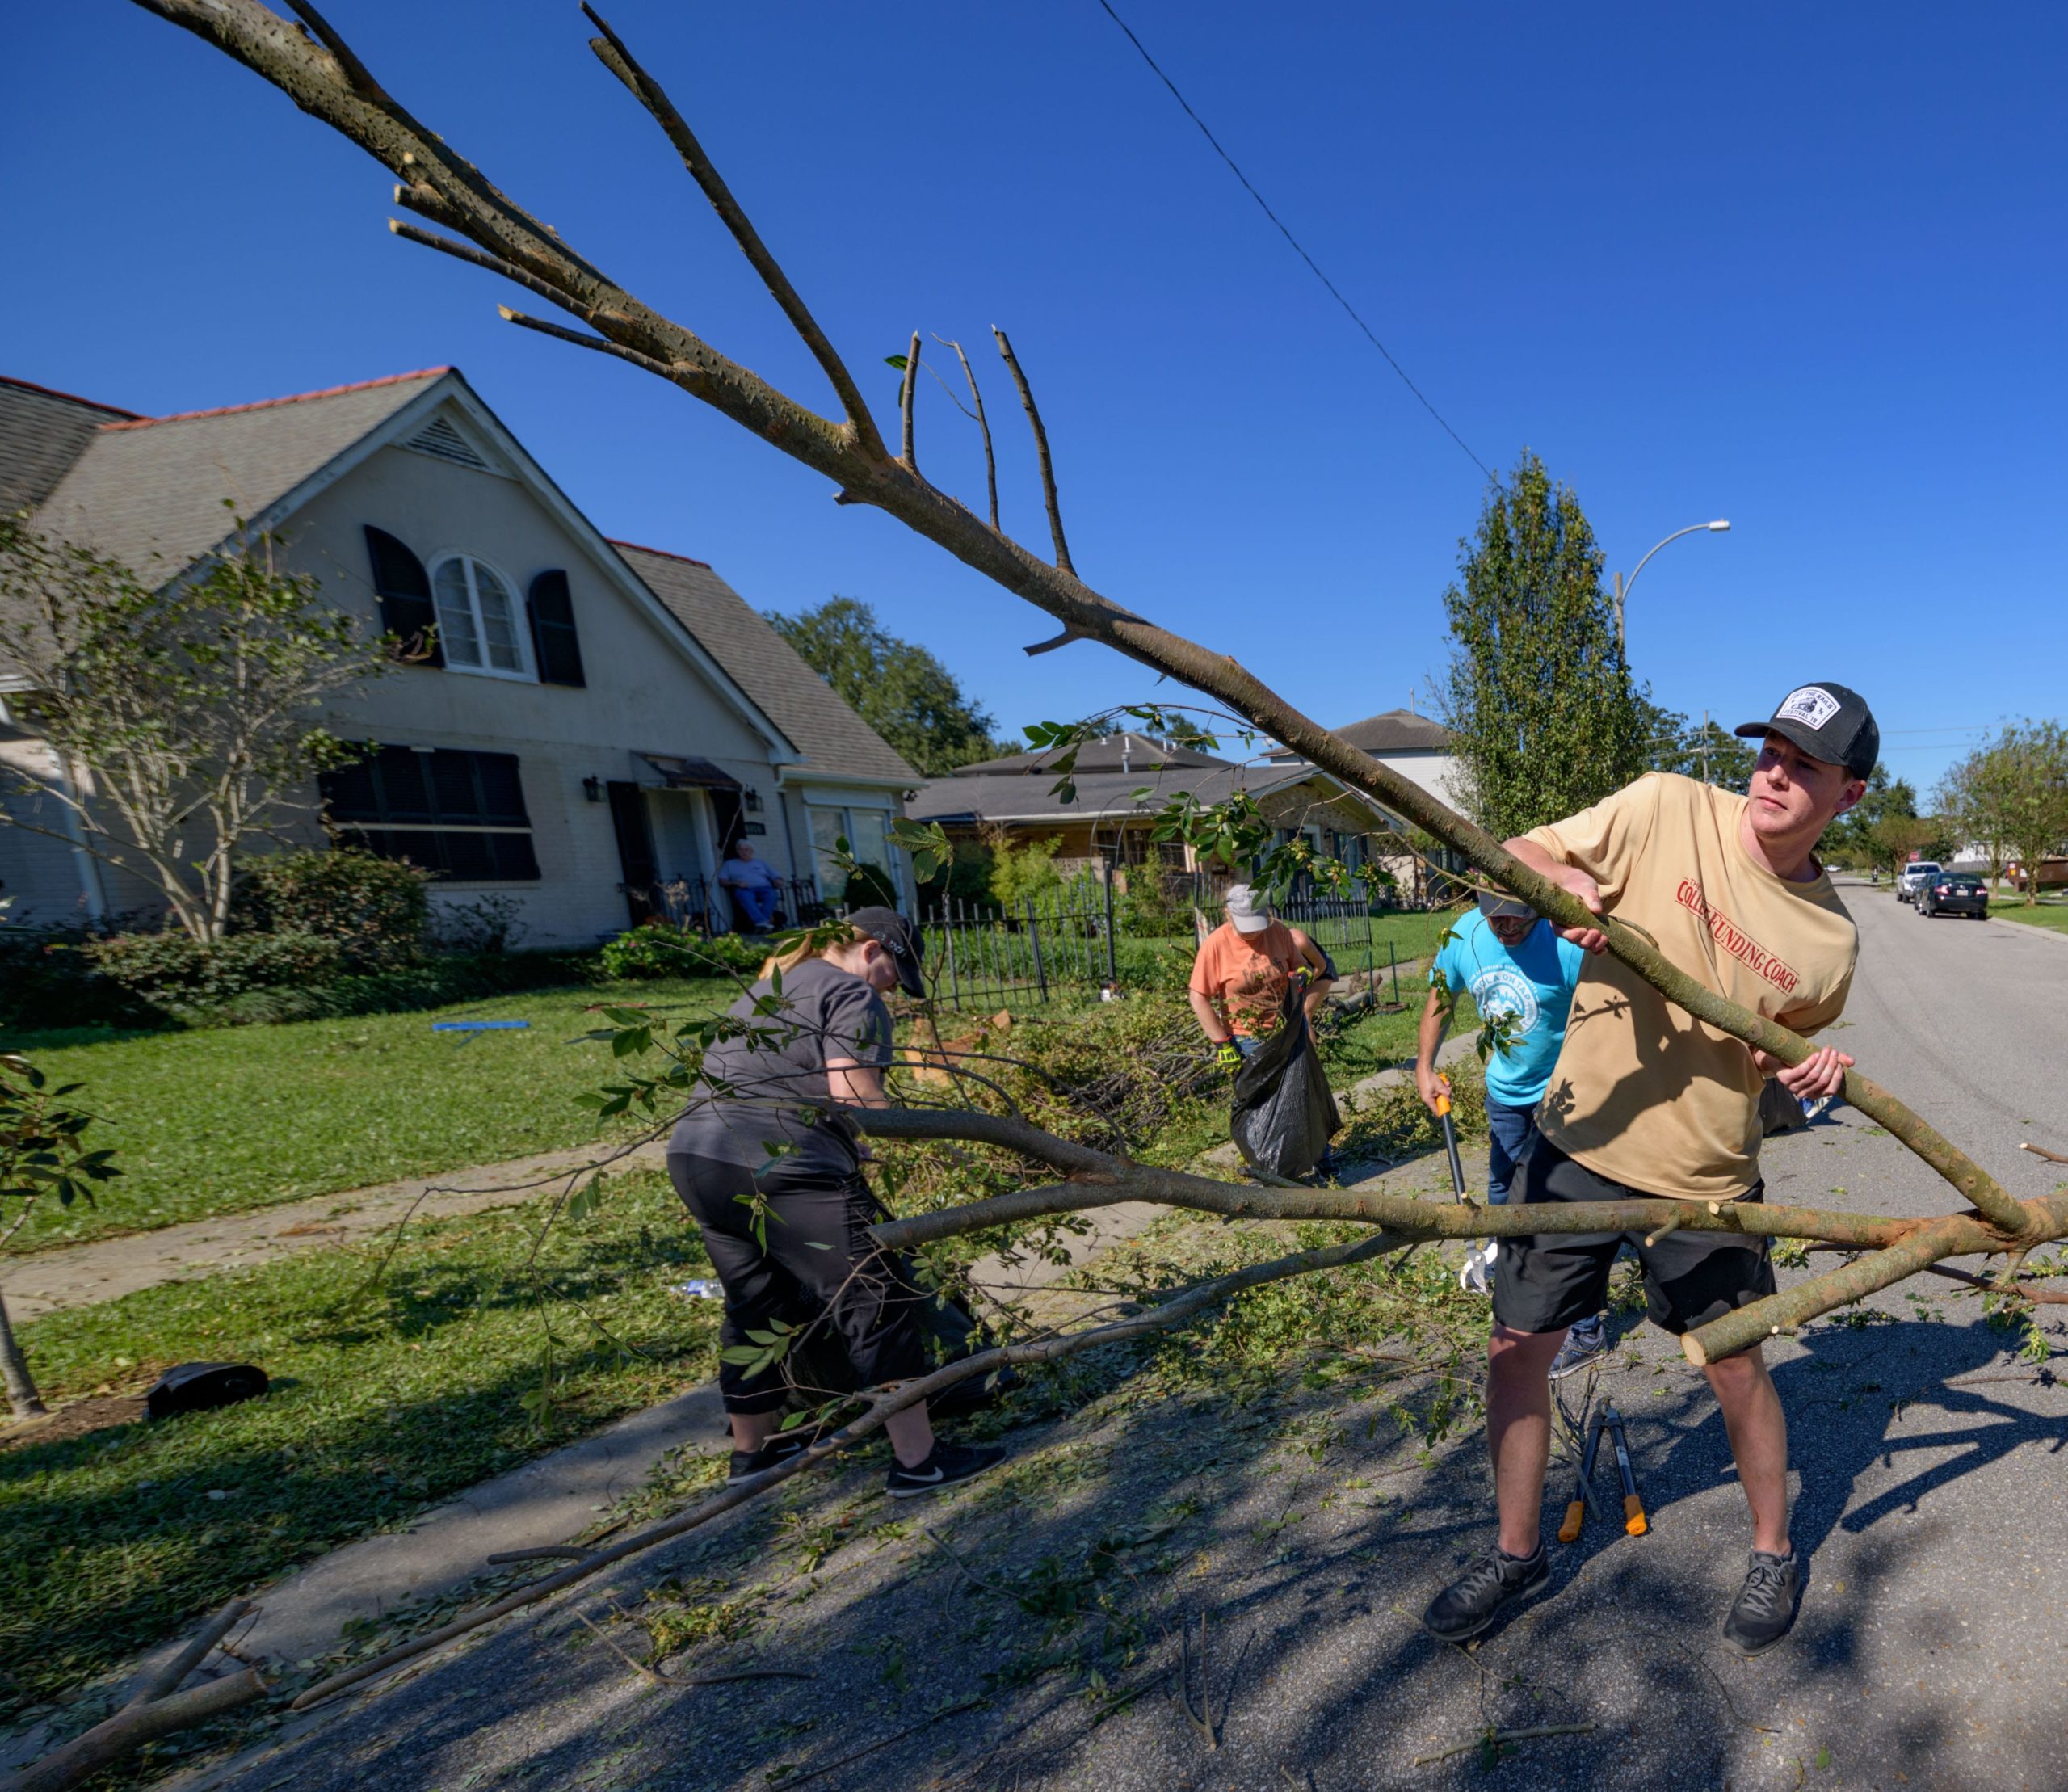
(555, 647)
(407, 611)
(502, 789)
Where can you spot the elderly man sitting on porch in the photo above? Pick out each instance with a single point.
(752, 886)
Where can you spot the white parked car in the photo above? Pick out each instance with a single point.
(1913, 877)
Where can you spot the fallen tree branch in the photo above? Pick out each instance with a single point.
(134, 1725)
(1187, 1304)
(168, 1678)
(1795, 1307)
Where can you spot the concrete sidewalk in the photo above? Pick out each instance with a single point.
(105, 1269)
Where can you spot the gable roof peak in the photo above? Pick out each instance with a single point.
(136, 421)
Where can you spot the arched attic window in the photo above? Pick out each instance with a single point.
(479, 625)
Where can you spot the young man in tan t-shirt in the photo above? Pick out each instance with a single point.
(1648, 1100)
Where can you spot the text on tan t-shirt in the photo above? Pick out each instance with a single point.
(1644, 1093)
(1246, 975)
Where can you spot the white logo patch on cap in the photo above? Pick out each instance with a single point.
(1812, 705)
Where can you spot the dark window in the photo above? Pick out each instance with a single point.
(452, 812)
(406, 610)
(556, 649)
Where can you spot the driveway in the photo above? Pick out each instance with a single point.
(1928, 1508)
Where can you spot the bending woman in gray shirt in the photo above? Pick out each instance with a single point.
(761, 1133)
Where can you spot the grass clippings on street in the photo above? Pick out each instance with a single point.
(384, 1402)
(226, 1119)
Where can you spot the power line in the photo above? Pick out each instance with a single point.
(1106, 6)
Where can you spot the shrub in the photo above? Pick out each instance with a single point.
(486, 923)
(175, 970)
(374, 909)
(658, 950)
(1021, 873)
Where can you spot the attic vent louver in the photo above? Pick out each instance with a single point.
(438, 437)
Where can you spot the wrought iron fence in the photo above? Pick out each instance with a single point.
(994, 955)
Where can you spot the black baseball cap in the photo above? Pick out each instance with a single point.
(1497, 905)
(898, 937)
(1828, 722)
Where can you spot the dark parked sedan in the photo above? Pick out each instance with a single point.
(1953, 895)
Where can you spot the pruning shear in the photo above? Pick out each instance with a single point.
(1450, 1144)
(1635, 1523)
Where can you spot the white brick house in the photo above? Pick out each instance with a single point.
(593, 719)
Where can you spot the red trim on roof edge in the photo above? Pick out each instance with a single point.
(658, 554)
(70, 397)
(291, 398)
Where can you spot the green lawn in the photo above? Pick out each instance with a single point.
(2049, 912)
(224, 1120)
(384, 1401)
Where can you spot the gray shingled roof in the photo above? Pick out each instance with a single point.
(1125, 752)
(42, 433)
(833, 738)
(1395, 731)
(150, 492)
(1013, 796)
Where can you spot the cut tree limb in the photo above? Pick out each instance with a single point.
(134, 1725)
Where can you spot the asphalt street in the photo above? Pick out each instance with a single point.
(1929, 1510)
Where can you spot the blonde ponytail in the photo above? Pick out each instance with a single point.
(828, 937)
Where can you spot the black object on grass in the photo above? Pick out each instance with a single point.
(199, 1387)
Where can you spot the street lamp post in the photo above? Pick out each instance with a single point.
(1623, 585)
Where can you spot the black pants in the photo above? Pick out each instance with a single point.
(820, 1264)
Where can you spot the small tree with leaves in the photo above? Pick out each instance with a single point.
(183, 716)
(1539, 700)
(43, 1155)
(2011, 797)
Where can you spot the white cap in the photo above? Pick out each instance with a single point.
(1248, 915)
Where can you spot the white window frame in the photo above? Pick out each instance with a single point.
(846, 811)
(520, 616)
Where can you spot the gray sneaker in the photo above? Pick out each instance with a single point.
(1471, 1602)
(1764, 1609)
(1580, 1349)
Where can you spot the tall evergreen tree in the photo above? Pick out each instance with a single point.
(896, 686)
(1539, 697)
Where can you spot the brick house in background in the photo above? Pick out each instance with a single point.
(594, 722)
(1122, 780)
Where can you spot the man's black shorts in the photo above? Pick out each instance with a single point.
(1552, 1280)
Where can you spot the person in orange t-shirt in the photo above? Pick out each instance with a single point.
(1243, 970)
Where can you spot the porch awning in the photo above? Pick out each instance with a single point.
(682, 774)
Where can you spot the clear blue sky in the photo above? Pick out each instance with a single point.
(1802, 267)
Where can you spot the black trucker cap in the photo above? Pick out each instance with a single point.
(1828, 722)
(898, 937)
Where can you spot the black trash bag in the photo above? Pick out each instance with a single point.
(1284, 1112)
(201, 1387)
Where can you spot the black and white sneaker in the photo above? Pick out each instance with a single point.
(948, 1466)
(776, 1449)
(1764, 1609)
(1471, 1602)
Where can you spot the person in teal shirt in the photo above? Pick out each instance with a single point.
(1513, 965)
